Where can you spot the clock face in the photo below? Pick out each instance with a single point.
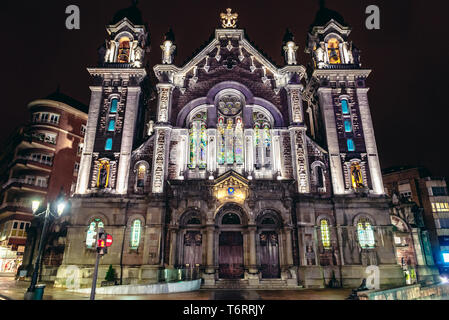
(230, 105)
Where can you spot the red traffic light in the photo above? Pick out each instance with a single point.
(109, 240)
(101, 243)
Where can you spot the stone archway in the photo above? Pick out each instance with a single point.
(230, 221)
(268, 225)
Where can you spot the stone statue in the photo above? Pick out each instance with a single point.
(319, 57)
(103, 177)
(150, 126)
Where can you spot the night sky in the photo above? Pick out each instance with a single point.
(408, 56)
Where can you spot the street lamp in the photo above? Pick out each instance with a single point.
(60, 206)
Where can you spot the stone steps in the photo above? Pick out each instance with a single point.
(268, 284)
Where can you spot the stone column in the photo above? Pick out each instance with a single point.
(89, 140)
(252, 250)
(370, 141)
(288, 246)
(165, 91)
(210, 249)
(327, 108)
(132, 104)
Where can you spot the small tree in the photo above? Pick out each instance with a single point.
(110, 275)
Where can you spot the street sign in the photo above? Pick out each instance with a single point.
(109, 240)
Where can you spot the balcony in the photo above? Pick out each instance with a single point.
(25, 160)
(22, 183)
(15, 206)
(341, 66)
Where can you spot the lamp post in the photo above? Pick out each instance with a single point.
(47, 213)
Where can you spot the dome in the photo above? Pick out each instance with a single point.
(132, 13)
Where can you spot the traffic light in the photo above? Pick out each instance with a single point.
(101, 242)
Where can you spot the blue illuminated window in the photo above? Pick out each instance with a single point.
(111, 125)
(344, 106)
(351, 146)
(114, 104)
(348, 125)
(108, 144)
(446, 257)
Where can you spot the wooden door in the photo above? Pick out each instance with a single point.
(269, 255)
(192, 249)
(231, 255)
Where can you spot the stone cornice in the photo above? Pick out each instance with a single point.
(117, 72)
(334, 73)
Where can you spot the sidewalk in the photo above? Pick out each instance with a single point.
(15, 290)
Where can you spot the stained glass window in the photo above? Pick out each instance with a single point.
(262, 140)
(198, 142)
(221, 141)
(351, 146)
(229, 142)
(108, 146)
(114, 104)
(348, 125)
(239, 158)
(111, 126)
(325, 234)
(366, 234)
(135, 234)
(141, 175)
(344, 106)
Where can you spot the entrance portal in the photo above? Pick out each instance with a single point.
(269, 255)
(231, 255)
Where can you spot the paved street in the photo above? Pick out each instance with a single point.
(15, 290)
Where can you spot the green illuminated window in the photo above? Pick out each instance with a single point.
(325, 233)
(366, 234)
(135, 234)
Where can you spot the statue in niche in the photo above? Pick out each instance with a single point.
(356, 176)
(310, 255)
(103, 175)
(319, 56)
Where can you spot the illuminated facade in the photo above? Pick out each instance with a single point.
(251, 173)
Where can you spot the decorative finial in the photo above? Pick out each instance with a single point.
(229, 20)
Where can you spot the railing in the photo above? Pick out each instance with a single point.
(342, 66)
(17, 204)
(45, 121)
(48, 163)
(179, 274)
(41, 137)
(23, 181)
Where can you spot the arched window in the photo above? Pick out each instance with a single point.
(333, 48)
(345, 106)
(103, 174)
(135, 234)
(141, 175)
(325, 233)
(356, 176)
(114, 105)
(262, 140)
(365, 233)
(91, 236)
(123, 50)
(319, 177)
(231, 219)
(230, 130)
(198, 141)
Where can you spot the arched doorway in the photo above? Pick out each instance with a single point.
(192, 240)
(268, 225)
(230, 220)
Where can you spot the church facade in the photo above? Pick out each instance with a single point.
(250, 174)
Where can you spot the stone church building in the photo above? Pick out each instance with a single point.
(251, 174)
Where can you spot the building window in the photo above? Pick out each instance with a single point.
(76, 169)
(365, 233)
(46, 117)
(123, 50)
(135, 234)
(198, 141)
(348, 125)
(114, 105)
(108, 146)
(351, 146)
(262, 140)
(345, 106)
(19, 229)
(46, 137)
(333, 48)
(440, 207)
(325, 234)
(80, 149)
(141, 175)
(111, 126)
(41, 182)
(439, 191)
(83, 130)
(91, 236)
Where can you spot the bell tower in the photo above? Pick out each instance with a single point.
(340, 89)
(115, 105)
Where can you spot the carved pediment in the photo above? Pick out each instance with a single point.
(231, 187)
